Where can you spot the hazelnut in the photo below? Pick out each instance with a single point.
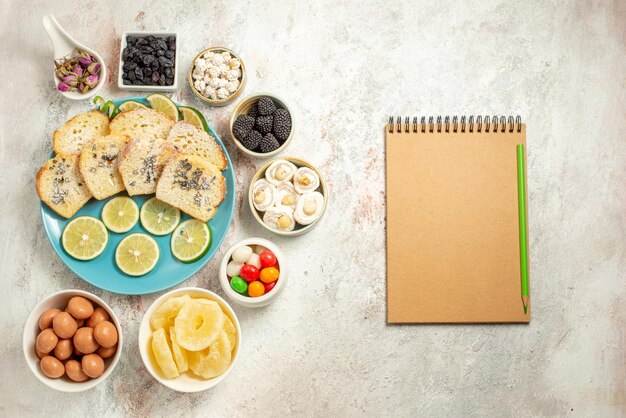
(310, 207)
(283, 222)
(288, 200)
(259, 197)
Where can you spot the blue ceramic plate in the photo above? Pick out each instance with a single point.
(102, 271)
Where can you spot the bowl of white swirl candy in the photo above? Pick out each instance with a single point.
(288, 196)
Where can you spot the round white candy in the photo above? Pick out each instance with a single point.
(214, 72)
(254, 260)
(233, 268)
(242, 254)
(209, 92)
(217, 59)
(231, 87)
(222, 93)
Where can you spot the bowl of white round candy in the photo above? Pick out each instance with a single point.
(217, 76)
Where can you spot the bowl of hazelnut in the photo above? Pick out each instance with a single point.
(72, 341)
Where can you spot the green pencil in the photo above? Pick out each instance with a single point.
(521, 204)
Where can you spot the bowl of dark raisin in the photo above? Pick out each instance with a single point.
(262, 125)
(148, 61)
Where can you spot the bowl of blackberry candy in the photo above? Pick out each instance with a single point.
(262, 125)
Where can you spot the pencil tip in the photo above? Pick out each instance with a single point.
(525, 309)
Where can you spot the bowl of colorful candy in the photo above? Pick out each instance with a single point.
(253, 272)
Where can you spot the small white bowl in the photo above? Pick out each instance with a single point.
(267, 298)
(133, 87)
(59, 300)
(186, 382)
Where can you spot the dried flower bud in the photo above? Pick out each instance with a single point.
(77, 72)
(93, 68)
(71, 80)
(85, 61)
(92, 80)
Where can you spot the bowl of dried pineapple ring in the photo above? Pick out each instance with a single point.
(189, 339)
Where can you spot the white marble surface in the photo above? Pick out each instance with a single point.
(324, 348)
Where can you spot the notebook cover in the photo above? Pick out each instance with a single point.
(452, 227)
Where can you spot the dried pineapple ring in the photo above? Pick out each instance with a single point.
(214, 360)
(180, 355)
(198, 324)
(163, 353)
(231, 331)
(164, 315)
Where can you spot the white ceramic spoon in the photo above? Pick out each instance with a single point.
(65, 45)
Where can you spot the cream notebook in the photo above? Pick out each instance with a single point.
(456, 248)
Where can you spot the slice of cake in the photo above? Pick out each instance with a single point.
(79, 131)
(193, 185)
(98, 165)
(142, 123)
(188, 139)
(60, 185)
(141, 162)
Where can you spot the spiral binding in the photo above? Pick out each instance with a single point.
(494, 124)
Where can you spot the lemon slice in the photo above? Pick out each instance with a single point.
(85, 238)
(137, 254)
(190, 241)
(158, 217)
(163, 353)
(130, 105)
(198, 324)
(213, 360)
(194, 117)
(163, 104)
(120, 214)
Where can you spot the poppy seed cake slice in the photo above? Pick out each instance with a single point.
(141, 162)
(99, 166)
(189, 140)
(79, 131)
(193, 185)
(60, 185)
